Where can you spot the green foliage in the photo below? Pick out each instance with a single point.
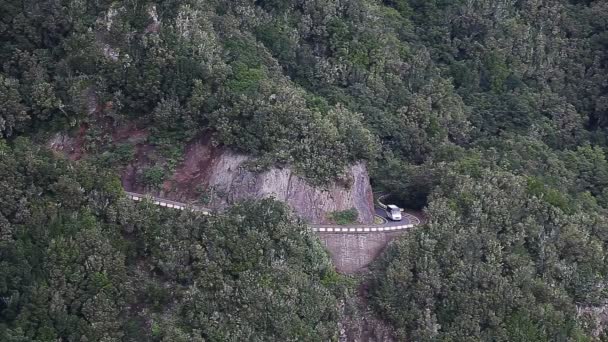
(207, 195)
(275, 37)
(58, 250)
(494, 262)
(246, 80)
(496, 71)
(249, 260)
(13, 113)
(492, 113)
(551, 196)
(120, 154)
(153, 176)
(77, 257)
(344, 217)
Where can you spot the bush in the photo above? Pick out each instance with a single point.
(345, 216)
(153, 176)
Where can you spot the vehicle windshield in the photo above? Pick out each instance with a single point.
(395, 211)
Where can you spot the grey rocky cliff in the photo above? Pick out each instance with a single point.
(221, 175)
(311, 203)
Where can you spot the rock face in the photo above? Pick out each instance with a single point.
(220, 175)
(594, 317)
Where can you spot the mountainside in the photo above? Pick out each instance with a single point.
(81, 261)
(491, 116)
(217, 178)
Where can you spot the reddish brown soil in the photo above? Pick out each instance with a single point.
(130, 133)
(192, 174)
(187, 180)
(129, 174)
(78, 148)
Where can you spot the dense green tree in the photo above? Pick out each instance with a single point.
(493, 113)
(14, 114)
(495, 262)
(81, 262)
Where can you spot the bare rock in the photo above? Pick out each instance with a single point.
(92, 100)
(154, 25)
(222, 176)
(594, 318)
(61, 142)
(68, 145)
(311, 203)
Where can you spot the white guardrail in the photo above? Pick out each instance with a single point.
(363, 228)
(385, 227)
(167, 203)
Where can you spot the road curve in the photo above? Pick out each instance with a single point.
(387, 225)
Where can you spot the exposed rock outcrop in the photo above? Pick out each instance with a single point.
(221, 176)
(595, 318)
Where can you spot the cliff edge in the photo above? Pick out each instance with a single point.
(216, 177)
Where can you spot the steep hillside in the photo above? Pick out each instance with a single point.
(81, 262)
(491, 115)
(217, 177)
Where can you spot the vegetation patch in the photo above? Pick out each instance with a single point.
(153, 176)
(344, 217)
(492, 116)
(97, 251)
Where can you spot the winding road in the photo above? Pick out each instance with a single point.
(387, 225)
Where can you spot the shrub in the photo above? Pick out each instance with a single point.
(345, 216)
(153, 176)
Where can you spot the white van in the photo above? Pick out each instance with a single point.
(393, 212)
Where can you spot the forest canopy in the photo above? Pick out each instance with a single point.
(82, 262)
(492, 115)
(314, 84)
